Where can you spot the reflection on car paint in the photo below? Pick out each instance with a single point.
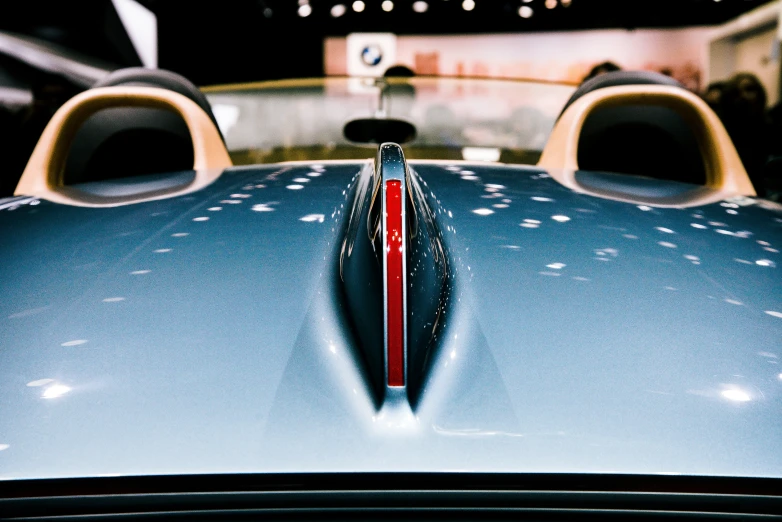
(527, 362)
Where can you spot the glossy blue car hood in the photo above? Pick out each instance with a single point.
(207, 334)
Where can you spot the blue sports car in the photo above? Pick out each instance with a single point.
(387, 298)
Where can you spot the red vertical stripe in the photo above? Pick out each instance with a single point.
(394, 284)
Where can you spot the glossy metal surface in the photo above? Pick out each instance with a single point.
(210, 333)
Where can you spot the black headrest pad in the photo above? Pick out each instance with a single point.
(133, 141)
(651, 141)
(141, 77)
(617, 78)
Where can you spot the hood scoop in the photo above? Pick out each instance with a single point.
(394, 273)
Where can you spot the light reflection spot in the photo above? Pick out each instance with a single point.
(664, 230)
(494, 186)
(202, 218)
(736, 395)
(301, 180)
(39, 382)
(560, 218)
(551, 274)
(262, 207)
(772, 313)
(692, 258)
(666, 244)
(743, 261)
(140, 272)
(529, 225)
(765, 262)
(113, 299)
(162, 250)
(314, 174)
(734, 302)
(630, 236)
(294, 187)
(55, 390)
(645, 208)
(4, 447)
(500, 205)
(231, 201)
(764, 243)
(241, 196)
(541, 199)
(180, 234)
(483, 211)
(214, 209)
(717, 224)
(310, 218)
(772, 250)
(556, 266)
(469, 178)
(698, 225)
(731, 211)
(75, 342)
(579, 278)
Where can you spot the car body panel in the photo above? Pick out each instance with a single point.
(582, 334)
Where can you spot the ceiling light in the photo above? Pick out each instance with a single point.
(525, 11)
(420, 6)
(468, 5)
(338, 10)
(551, 4)
(305, 10)
(387, 6)
(566, 3)
(358, 6)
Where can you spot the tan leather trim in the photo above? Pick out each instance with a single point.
(725, 174)
(43, 175)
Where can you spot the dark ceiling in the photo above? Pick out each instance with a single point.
(216, 41)
(450, 17)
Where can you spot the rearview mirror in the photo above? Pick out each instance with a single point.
(377, 130)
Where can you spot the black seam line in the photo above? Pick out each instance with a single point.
(389, 482)
(294, 511)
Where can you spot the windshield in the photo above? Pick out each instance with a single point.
(455, 118)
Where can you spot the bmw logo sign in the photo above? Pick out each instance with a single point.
(371, 55)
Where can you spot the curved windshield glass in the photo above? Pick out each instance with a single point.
(454, 118)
